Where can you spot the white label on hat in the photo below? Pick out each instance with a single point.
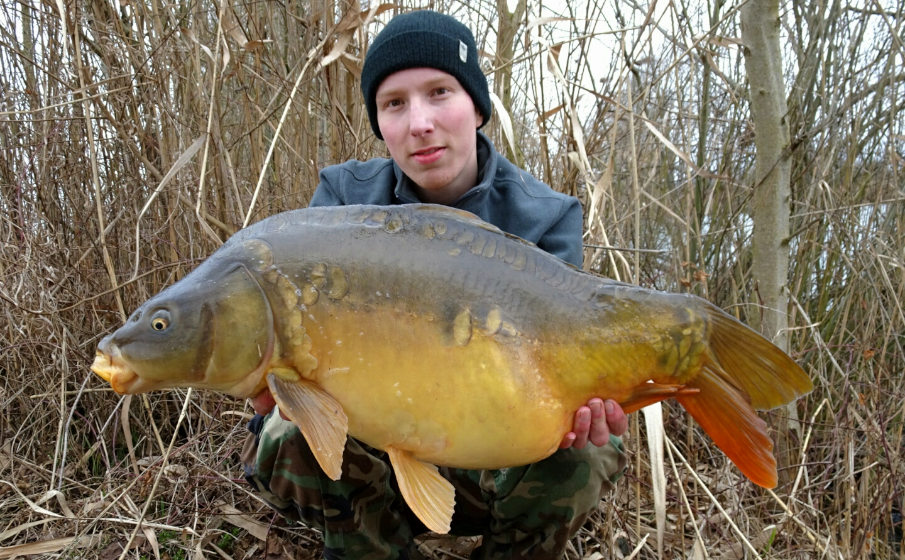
(463, 51)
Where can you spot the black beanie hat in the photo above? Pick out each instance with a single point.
(424, 39)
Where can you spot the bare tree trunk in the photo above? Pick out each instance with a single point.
(772, 192)
(763, 65)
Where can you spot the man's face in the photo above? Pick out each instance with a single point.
(429, 124)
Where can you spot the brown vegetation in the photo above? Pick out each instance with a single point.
(137, 136)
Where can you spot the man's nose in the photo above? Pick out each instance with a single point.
(421, 118)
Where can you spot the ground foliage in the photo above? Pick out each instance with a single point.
(138, 136)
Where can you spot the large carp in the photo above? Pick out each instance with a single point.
(426, 332)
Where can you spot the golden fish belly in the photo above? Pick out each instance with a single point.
(476, 403)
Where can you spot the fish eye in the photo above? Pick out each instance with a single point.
(160, 321)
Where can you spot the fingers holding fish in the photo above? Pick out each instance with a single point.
(616, 420)
(263, 403)
(594, 423)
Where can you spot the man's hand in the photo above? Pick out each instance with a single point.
(595, 422)
(263, 403)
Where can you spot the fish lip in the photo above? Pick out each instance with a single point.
(119, 375)
(102, 366)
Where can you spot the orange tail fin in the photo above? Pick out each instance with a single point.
(742, 372)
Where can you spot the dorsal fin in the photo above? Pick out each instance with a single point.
(456, 214)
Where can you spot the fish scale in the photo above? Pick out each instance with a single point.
(425, 332)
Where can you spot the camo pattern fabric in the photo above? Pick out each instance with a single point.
(522, 512)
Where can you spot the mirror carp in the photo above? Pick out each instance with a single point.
(425, 332)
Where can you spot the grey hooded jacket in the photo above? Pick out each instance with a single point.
(506, 196)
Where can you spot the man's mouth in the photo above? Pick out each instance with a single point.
(428, 155)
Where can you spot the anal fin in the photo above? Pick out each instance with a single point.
(430, 496)
(318, 415)
(649, 393)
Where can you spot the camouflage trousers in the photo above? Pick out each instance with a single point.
(521, 512)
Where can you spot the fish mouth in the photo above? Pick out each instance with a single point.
(119, 375)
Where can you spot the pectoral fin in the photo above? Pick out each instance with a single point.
(318, 415)
(430, 496)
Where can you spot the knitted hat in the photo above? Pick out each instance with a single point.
(424, 39)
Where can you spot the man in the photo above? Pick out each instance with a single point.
(426, 98)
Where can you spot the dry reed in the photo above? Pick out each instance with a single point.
(138, 136)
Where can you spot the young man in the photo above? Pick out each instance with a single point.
(426, 98)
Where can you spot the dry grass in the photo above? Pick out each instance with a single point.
(137, 137)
